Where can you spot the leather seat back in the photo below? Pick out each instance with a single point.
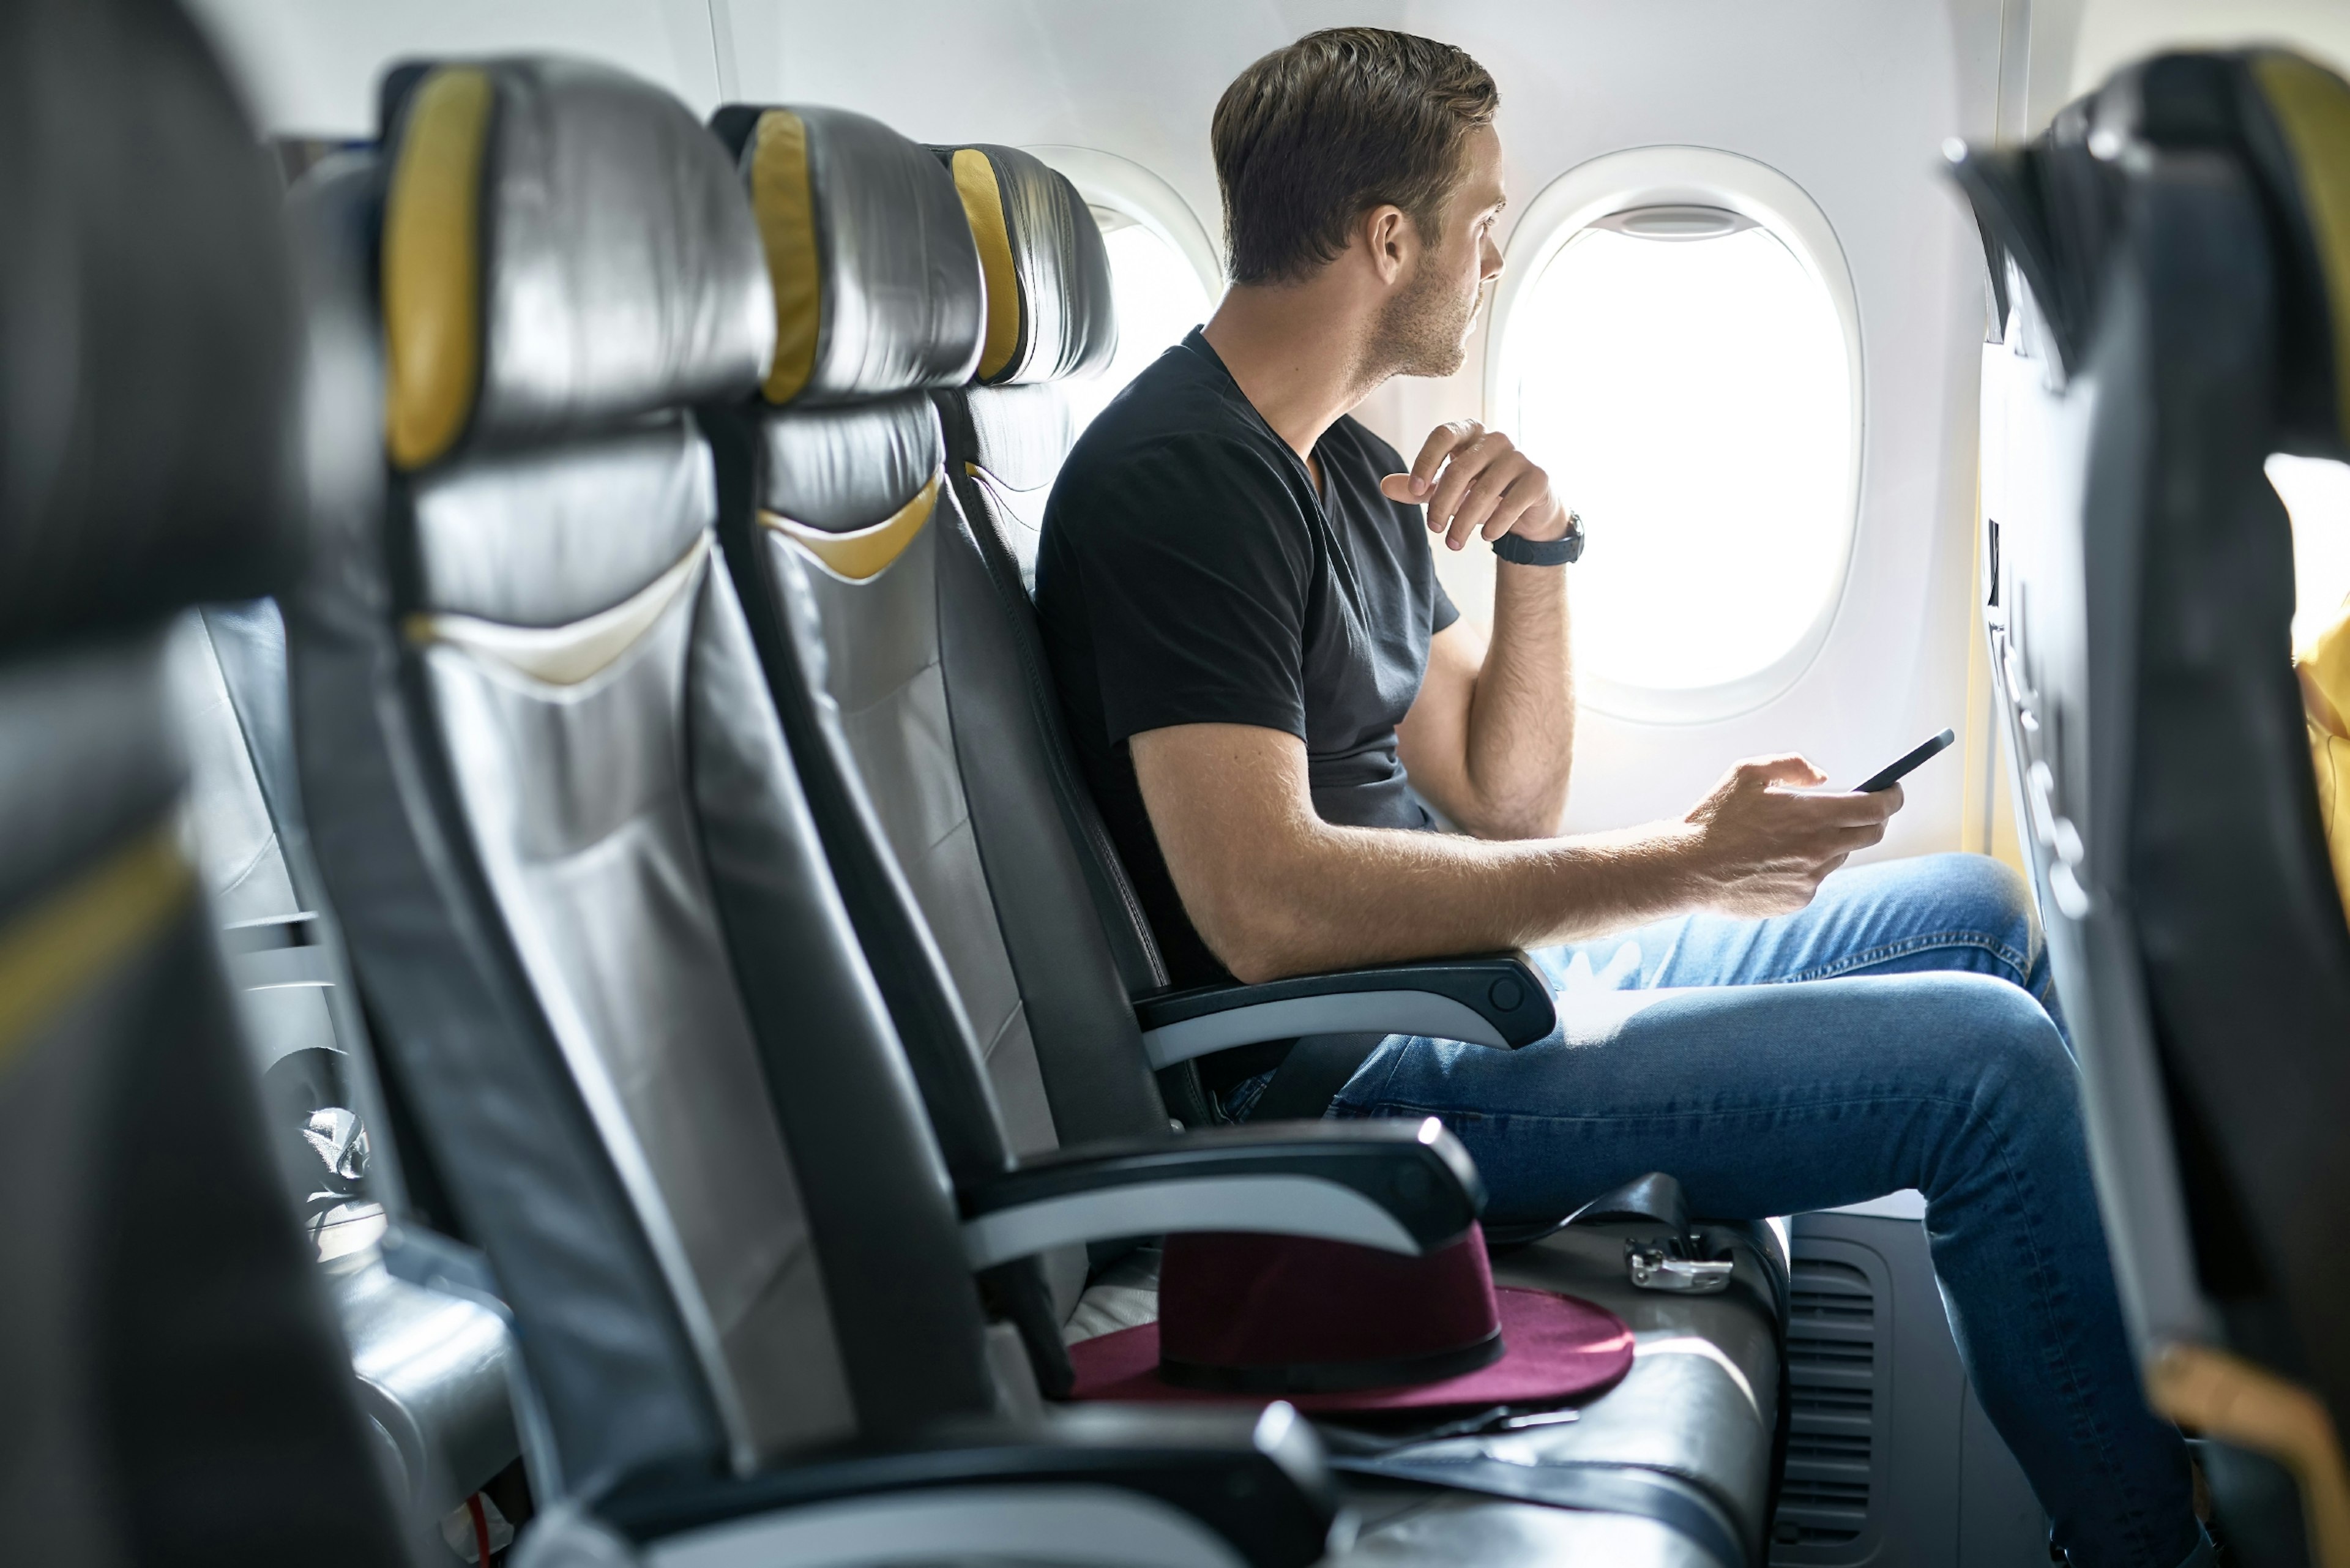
(833, 502)
(612, 976)
(838, 501)
(908, 647)
(172, 1386)
(845, 532)
(2182, 242)
(1051, 318)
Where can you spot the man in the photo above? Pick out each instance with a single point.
(1265, 681)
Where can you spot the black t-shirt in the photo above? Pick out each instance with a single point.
(1190, 574)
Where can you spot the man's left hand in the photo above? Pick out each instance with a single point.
(1477, 484)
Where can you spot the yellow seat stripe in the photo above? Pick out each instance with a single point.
(867, 552)
(431, 267)
(784, 201)
(54, 951)
(983, 204)
(2313, 107)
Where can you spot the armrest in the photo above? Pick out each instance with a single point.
(1153, 1487)
(1399, 1186)
(1497, 1000)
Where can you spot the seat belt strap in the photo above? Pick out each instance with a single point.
(1311, 1076)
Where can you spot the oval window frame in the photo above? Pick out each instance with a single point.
(1125, 187)
(1702, 177)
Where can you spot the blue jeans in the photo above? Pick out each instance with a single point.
(1916, 1048)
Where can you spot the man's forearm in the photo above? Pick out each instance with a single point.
(1275, 890)
(1344, 897)
(1520, 739)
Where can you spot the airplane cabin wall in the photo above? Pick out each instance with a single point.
(1850, 99)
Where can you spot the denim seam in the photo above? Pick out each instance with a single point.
(1868, 958)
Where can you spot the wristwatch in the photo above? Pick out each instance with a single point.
(1558, 552)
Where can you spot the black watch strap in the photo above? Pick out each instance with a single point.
(1567, 547)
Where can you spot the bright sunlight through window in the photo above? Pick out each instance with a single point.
(1159, 300)
(1691, 397)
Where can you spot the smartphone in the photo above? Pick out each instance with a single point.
(1894, 773)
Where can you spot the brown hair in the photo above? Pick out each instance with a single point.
(1342, 121)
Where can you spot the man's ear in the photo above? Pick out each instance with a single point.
(1390, 241)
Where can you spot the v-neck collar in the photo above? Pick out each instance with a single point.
(1197, 341)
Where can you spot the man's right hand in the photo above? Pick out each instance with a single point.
(1762, 849)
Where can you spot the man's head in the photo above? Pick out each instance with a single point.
(1374, 148)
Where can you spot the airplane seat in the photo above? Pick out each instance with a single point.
(2179, 244)
(832, 488)
(846, 639)
(611, 975)
(172, 1388)
(536, 620)
(1051, 318)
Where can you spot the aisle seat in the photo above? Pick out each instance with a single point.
(911, 692)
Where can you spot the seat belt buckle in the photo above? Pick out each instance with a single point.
(1672, 1263)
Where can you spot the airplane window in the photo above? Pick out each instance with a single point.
(1685, 375)
(1159, 298)
(2316, 495)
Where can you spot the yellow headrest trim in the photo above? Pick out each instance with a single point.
(431, 267)
(57, 950)
(982, 203)
(867, 553)
(2313, 105)
(783, 201)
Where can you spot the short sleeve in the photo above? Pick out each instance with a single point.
(1194, 560)
(1441, 611)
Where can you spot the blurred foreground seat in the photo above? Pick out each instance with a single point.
(2177, 247)
(172, 1388)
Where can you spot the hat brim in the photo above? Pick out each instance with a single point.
(1554, 1348)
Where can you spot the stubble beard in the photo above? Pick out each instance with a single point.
(1424, 330)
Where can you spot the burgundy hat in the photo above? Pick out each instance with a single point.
(1333, 1327)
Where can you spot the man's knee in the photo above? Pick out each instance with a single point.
(1987, 894)
(2017, 1049)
